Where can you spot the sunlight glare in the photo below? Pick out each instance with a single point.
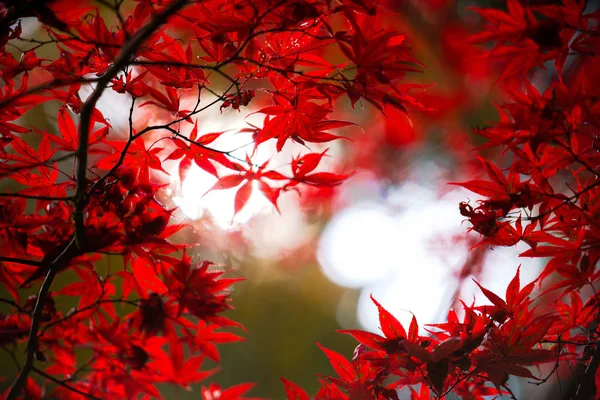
(408, 261)
(425, 282)
(500, 266)
(112, 105)
(194, 197)
(194, 201)
(359, 246)
(403, 258)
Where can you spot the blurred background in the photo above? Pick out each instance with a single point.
(392, 231)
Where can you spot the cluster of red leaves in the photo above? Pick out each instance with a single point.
(488, 345)
(546, 197)
(79, 196)
(85, 194)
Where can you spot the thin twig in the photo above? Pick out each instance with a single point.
(45, 86)
(80, 194)
(64, 384)
(510, 392)
(35, 197)
(87, 308)
(585, 387)
(31, 349)
(12, 355)
(566, 201)
(14, 304)
(7, 171)
(20, 261)
(90, 104)
(123, 152)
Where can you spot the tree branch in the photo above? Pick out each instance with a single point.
(87, 308)
(19, 383)
(90, 104)
(123, 152)
(585, 388)
(13, 304)
(35, 197)
(568, 200)
(80, 194)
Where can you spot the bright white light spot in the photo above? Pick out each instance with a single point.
(364, 187)
(359, 246)
(192, 197)
(425, 283)
(277, 234)
(364, 243)
(113, 106)
(424, 292)
(500, 267)
(409, 261)
(194, 201)
(29, 26)
(219, 204)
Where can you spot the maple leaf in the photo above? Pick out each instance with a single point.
(214, 392)
(199, 153)
(299, 119)
(293, 391)
(523, 39)
(170, 102)
(247, 177)
(172, 68)
(394, 333)
(77, 205)
(205, 337)
(516, 299)
(198, 290)
(176, 369)
(90, 294)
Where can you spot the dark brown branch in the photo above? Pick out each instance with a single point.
(554, 369)
(116, 9)
(568, 200)
(577, 159)
(35, 197)
(19, 383)
(80, 195)
(510, 392)
(12, 356)
(133, 137)
(192, 113)
(40, 43)
(585, 388)
(14, 304)
(123, 152)
(90, 104)
(150, 64)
